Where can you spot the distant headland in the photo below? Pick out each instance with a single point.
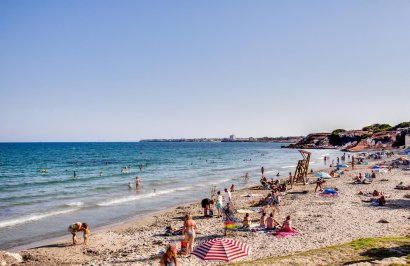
(232, 138)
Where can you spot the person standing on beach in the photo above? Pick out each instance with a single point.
(262, 171)
(219, 204)
(189, 230)
(352, 162)
(227, 196)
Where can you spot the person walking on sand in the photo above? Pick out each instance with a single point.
(79, 227)
(189, 230)
(262, 170)
(227, 196)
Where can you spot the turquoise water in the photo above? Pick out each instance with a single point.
(36, 206)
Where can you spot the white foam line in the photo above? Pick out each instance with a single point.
(137, 197)
(33, 217)
(289, 166)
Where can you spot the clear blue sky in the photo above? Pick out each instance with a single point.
(126, 70)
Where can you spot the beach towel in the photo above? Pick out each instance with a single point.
(329, 191)
(231, 225)
(322, 194)
(282, 234)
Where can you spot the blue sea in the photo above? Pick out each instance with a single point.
(37, 205)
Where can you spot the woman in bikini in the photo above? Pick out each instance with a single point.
(189, 229)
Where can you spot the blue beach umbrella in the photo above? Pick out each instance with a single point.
(322, 175)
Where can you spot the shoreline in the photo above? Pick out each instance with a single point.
(136, 220)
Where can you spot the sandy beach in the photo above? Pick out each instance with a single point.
(321, 221)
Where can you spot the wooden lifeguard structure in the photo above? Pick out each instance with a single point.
(302, 168)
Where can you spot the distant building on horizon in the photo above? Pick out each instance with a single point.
(232, 137)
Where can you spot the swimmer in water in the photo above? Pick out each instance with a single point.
(137, 182)
(75, 174)
(129, 185)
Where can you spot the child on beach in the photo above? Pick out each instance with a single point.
(246, 221)
(232, 189)
(86, 232)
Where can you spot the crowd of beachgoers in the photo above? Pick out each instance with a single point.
(360, 195)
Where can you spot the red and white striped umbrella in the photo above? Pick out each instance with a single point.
(221, 249)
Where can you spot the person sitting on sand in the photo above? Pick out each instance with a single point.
(271, 223)
(287, 225)
(401, 186)
(79, 227)
(281, 188)
(189, 231)
(264, 182)
(169, 258)
(319, 184)
(219, 204)
(378, 201)
(246, 221)
(262, 221)
(206, 205)
(267, 200)
(359, 179)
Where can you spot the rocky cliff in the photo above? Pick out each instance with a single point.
(374, 137)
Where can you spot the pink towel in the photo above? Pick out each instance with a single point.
(286, 233)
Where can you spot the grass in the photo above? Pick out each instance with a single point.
(360, 250)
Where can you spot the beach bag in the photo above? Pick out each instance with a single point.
(183, 247)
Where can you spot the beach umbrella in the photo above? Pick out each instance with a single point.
(322, 175)
(221, 249)
(342, 165)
